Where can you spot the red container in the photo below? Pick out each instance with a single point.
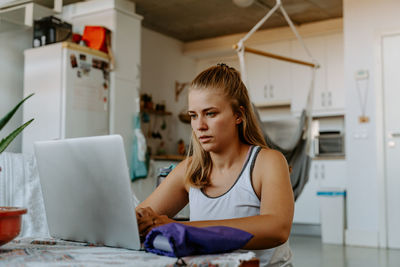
(97, 37)
(10, 223)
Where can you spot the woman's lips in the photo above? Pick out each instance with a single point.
(204, 138)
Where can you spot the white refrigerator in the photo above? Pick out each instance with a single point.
(71, 87)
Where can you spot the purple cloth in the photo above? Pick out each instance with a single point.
(188, 240)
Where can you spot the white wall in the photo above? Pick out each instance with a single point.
(364, 21)
(162, 64)
(12, 45)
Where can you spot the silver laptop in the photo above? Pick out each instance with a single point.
(86, 191)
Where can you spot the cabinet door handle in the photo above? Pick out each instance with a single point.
(323, 99)
(329, 98)
(394, 134)
(323, 171)
(266, 91)
(271, 91)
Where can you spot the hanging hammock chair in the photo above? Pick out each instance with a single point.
(297, 153)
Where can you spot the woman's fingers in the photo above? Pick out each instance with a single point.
(145, 217)
(148, 219)
(147, 211)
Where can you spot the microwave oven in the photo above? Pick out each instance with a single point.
(329, 143)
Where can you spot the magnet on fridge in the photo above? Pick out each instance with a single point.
(106, 75)
(85, 67)
(105, 103)
(97, 64)
(73, 61)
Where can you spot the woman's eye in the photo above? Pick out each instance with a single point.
(192, 116)
(211, 114)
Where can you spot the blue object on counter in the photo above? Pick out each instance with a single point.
(166, 170)
(163, 172)
(140, 158)
(179, 240)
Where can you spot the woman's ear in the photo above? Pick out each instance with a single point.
(239, 115)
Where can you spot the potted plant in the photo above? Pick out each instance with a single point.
(10, 217)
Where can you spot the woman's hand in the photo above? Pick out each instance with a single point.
(148, 219)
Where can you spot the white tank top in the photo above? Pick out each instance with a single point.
(239, 201)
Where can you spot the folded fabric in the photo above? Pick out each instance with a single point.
(179, 240)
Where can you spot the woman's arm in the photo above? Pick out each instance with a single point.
(168, 198)
(271, 183)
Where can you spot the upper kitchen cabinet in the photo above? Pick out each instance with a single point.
(335, 94)
(328, 87)
(269, 80)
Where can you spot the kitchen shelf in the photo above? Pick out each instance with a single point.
(14, 17)
(168, 157)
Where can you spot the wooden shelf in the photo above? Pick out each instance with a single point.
(156, 112)
(168, 157)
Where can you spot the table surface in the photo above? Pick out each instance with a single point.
(53, 252)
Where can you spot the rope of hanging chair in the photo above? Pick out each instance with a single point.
(279, 57)
(241, 49)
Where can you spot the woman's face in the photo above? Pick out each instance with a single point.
(212, 119)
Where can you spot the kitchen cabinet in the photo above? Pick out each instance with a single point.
(306, 209)
(329, 80)
(330, 173)
(269, 81)
(323, 174)
(335, 94)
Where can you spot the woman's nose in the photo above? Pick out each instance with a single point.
(201, 123)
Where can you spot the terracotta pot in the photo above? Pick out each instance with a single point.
(10, 223)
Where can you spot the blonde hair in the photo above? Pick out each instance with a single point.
(226, 79)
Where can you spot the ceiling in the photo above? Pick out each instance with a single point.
(192, 20)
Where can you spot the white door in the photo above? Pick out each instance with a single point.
(391, 98)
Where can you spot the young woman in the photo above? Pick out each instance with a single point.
(231, 178)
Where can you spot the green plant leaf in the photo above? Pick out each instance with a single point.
(9, 115)
(6, 141)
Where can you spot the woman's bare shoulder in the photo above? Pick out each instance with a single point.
(270, 160)
(271, 154)
(182, 165)
(179, 172)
